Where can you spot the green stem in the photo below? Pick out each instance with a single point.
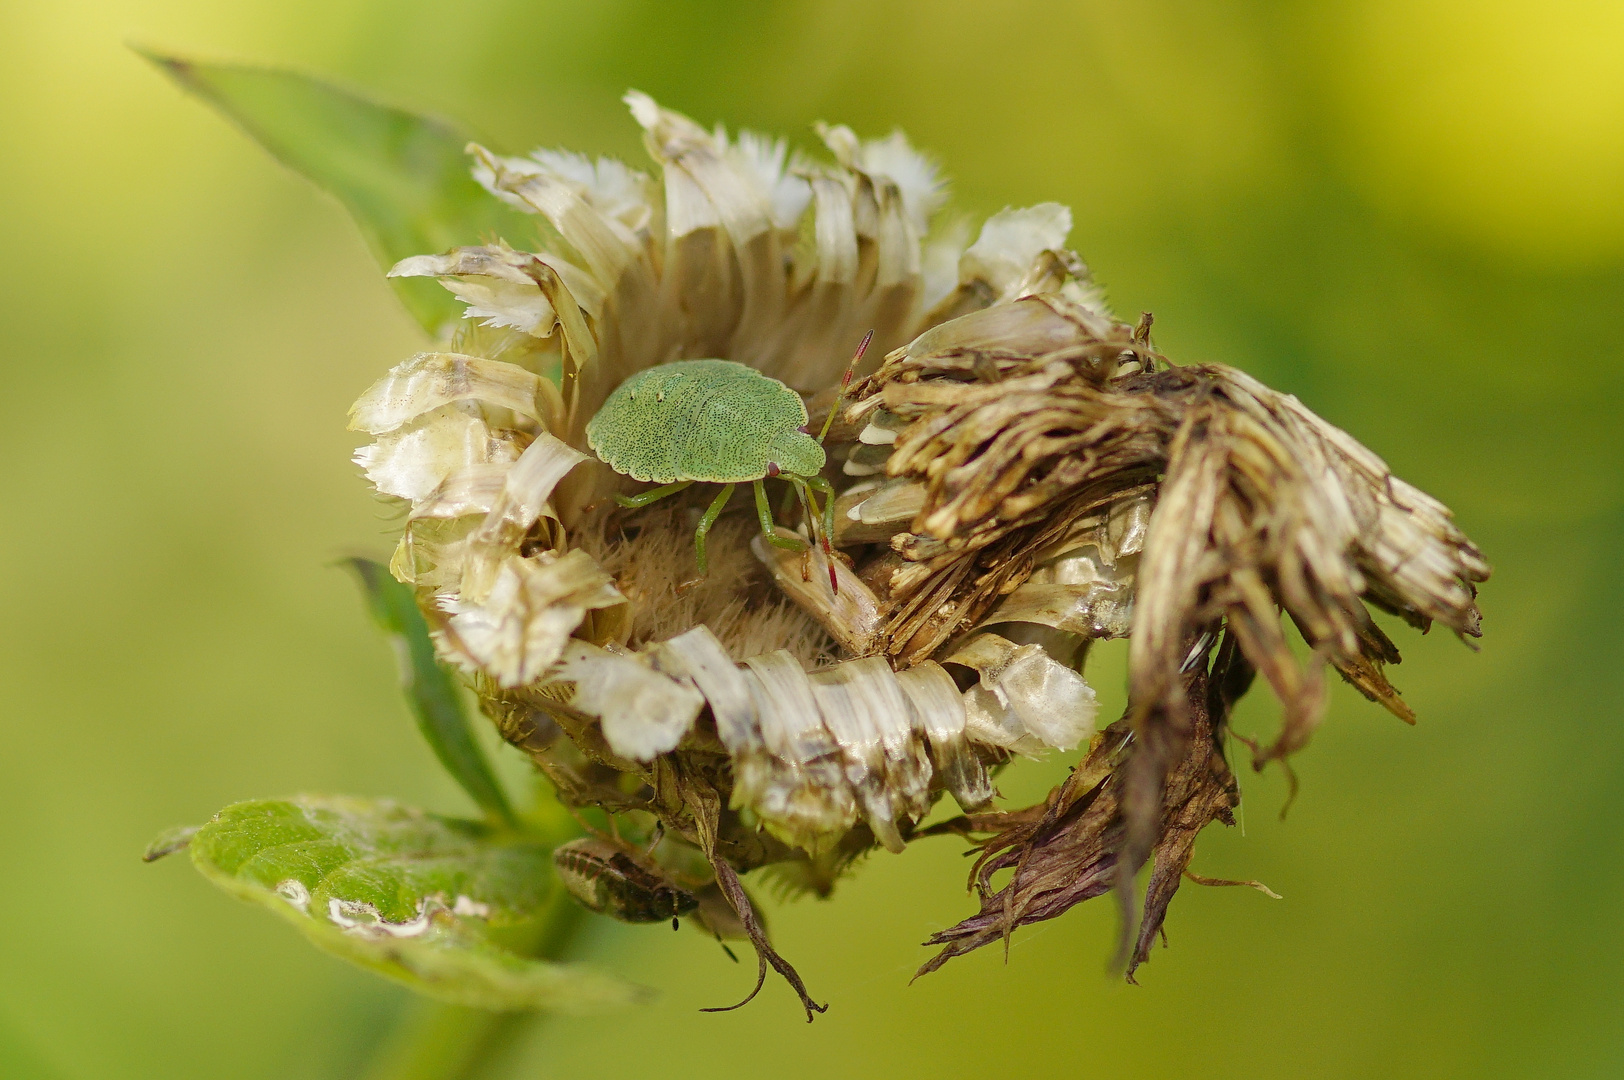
(445, 1042)
(433, 1041)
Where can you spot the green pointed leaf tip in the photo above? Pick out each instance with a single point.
(403, 177)
(446, 906)
(430, 690)
(168, 842)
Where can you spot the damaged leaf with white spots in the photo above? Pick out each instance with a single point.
(452, 908)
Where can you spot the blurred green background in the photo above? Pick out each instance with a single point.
(1408, 212)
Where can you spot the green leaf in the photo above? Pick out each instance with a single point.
(453, 908)
(168, 842)
(430, 690)
(402, 176)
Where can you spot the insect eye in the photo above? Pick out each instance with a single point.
(773, 469)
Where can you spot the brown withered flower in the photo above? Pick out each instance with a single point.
(1017, 474)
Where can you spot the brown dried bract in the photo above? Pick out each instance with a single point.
(1021, 421)
(1071, 848)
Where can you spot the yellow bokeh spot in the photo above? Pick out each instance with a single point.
(1499, 120)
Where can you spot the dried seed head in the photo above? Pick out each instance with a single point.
(1017, 475)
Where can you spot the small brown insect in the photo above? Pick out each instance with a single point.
(607, 879)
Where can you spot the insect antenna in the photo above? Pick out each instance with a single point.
(845, 381)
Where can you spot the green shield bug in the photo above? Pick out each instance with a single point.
(608, 880)
(716, 422)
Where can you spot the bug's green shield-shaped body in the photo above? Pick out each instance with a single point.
(714, 421)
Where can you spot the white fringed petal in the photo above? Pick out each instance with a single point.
(429, 380)
(865, 710)
(413, 460)
(523, 500)
(503, 303)
(1024, 692)
(788, 195)
(605, 244)
(791, 728)
(533, 607)
(1010, 241)
(500, 284)
(643, 712)
(795, 782)
(990, 721)
(611, 187)
(700, 656)
(473, 490)
(939, 263)
(722, 193)
(892, 159)
(939, 714)
(834, 231)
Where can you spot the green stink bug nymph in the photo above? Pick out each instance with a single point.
(715, 422)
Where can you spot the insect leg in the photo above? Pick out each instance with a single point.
(808, 514)
(818, 483)
(765, 513)
(705, 523)
(643, 498)
(826, 489)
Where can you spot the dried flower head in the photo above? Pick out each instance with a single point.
(1015, 474)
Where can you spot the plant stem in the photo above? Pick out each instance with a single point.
(434, 1041)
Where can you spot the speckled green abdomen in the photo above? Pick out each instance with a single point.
(714, 421)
